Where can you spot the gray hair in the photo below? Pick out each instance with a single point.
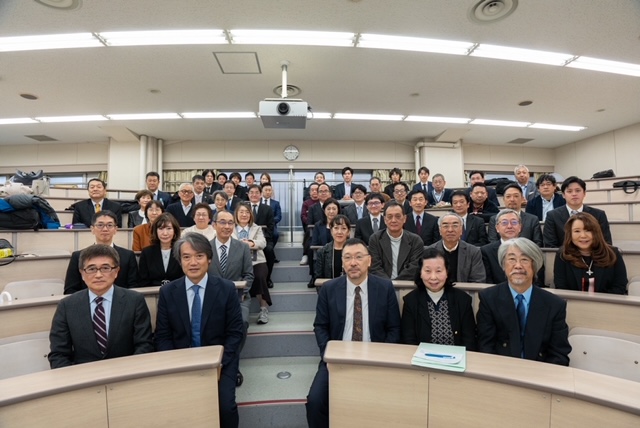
(98, 250)
(438, 175)
(221, 194)
(183, 185)
(515, 170)
(197, 241)
(528, 248)
(504, 212)
(450, 214)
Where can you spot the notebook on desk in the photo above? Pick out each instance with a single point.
(443, 357)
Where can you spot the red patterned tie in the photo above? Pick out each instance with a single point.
(100, 325)
(356, 336)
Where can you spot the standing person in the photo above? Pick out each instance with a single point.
(358, 209)
(400, 191)
(210, 182)
(478, 177)
(523, 179)
(345, 189)
(439, 196)
(199, 194)
(158, 264)
(153, 185)
(395, 175)
(203, 215)
(265, 177)
(437, 312)
(321, 230)
(341, 314)
(201, 309)
(585, 262)
(102, 321)
(267, 199)
(481, 206)
(423, 181)
(373, 221)
(304, 216)
(546, 198)
(139, 217)
(142, 233)
(263, 216)
(240, 191)
(516, 318)
(420, 222)
(328, 263)
(375, 185)
(222, 178)
(230, 189)
(83, 211)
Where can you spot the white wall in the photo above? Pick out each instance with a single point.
(54, 157)
(506, 158)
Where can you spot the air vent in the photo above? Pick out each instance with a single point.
(490, 11)
(41, 137)
(520, 141)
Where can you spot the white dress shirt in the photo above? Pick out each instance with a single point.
(348, 321)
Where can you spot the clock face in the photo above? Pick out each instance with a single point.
(291, 153)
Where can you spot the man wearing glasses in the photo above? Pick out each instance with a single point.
(354, 307)
(183, 209)
(400, 191)
(103, 321)
(104, 228)
(530, 225)
(373, 221)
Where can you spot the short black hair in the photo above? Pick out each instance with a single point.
(392, 203)
(478, 185)
(222, 174)
(461, 193)
(197, 241)
(97, 179)
(347, 168)
(417, 192)
(235, 175)
(475, 171)
(355, 241)
(98, 250)
(104, 213)
(254, 186)
(395, 171)
(573, 179)
(424, 169)
(513, 186)
(361, 188)
(152, 174)
(375, 195)
(249, 174)
(197, 177)
(546, 177)
(405, 185)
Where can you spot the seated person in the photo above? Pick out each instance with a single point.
(523, 179)
(478, 177)
(372, 222)
(138, 217)
(83, 211)
(103, 228)
(474, 231)
(203, 215)
(142, 232)
(585, 262)
(546, 198)
(400, 193)
(210, 183)
(530, 225)
(321, 234)
(199, 187)
(423, 183)
(158, 264)
(480, 205)
(437, 312)
(103, 321)
(375, 185)
(420, 222)
(183, 209)
(395, 175)
(232, 200)
(439, 196)
(328, 263)
(358, 208)
(220, 202)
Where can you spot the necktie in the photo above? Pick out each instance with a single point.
(255, 211)
(522, 319)
(356, 336)
(359, 213)
(223, 259)
(375, 225)
(418, 225)
(98, 208)
(243, 234)
(573, 212)
(100, 325)
(196, 317)
(424, 187)
(264, 201)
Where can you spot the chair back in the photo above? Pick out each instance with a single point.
(35, 288)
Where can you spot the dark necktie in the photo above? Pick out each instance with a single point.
(574, 212)
(424, 187)
(356, 336)
(375, 225)
(264, 201)
(196, 317)
(255, 212)
(522, 319)
(418, 225)
(223, 259)
(100, 325)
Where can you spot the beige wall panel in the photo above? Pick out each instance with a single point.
(627, 150)
(354, 388)
(58, 240)
(571, 412)
(142, 402)
(93, 153)
(596, 196)
(617, 212)
(602, 316)
(455, 401)
(566, 164)
(23, 154)
(448, 162)
(475, 153)
(59, 411)
(506, 155)
(56, 154)
(124, 165)
(595, 154)
(25, 269)
(532, 157)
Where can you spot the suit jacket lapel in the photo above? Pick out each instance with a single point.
(118, 306)
(210, 297)
(463, 260)
(536, 320)
(84, 315)
(510, 319)
(215, 261)
(180, 297)
(386, 251)
(372, 298)
(341, 304)
(403, 252)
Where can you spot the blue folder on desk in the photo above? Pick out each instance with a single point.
(443, 357)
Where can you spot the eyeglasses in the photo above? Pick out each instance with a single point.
(92, 270)
(104, 226)
(524, 261)
(374, 203)
(225, 223)
(400, 191)
(505, 223)
(358, 192)
(186, 192)
(357, 257)
(323, 191)
(453, 226)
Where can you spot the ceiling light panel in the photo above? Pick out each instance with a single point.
(524, 55)
(499, 123)
(378, 41)
(436, 119)
(51, 41)
(144, 116)
(359, 116)
(556, 127)
(85, 118)
(595, 64)
(220, 115)
(291, 37)
(169, 37)
(17, 120)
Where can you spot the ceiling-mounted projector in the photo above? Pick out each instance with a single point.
(283, 113)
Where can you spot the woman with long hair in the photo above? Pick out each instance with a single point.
(142, 233)
(321, 234)
(436, 311)
(158, 265)
(328, 263)
(251, 234)
(265, 177)
(585, 262)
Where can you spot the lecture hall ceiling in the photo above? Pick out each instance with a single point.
(189, 78)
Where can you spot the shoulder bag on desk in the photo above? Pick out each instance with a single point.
(629, 186)
(7, 254)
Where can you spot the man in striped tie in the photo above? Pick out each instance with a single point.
(102, 321)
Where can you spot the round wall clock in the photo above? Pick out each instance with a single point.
(291, 153)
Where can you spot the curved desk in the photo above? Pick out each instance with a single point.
(156, 389)
(375, 385)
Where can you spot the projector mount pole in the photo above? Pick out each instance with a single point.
(285, 65)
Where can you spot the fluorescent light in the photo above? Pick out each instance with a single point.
(17, 120)
(378, 41)
(52, 41)
(595, 64)
(86, 118)
(517, 54)
(556, 127)
(291, 37)
(316, 115)
(168, 37)
(220, 115)
(499, 123)
(143, 116)
(359, 116)
(437, 119)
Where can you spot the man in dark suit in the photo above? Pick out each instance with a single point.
(400, 193)
(304, 216)
(199, 195)
(420, 222)
(478, 177)
(230, 189)
(574, 190)
(474, 231)
(103, 321)
(480, 205)
(238, 266)
(103, 227)
(240, 190)
(386, 261)
(464, 260)
(530, 226)
(518, 319)
(263, 216)
(267, 199)
(315, 214)
(184, 208)
(523, 179)
(83, 211)
(423, 181)
(439, 196)
(358, 208)
(153, 185)
(339, 316)
(344, 190)
(201, 309)
(373, 222)
(546, 198)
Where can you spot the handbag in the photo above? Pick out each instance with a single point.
(608, 173)
(7, 252)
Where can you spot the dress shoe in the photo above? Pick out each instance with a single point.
(239, 380)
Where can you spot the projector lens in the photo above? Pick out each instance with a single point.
(283, 109)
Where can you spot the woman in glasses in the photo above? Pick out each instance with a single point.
(585, 262)
(158, 265)
(251, 234)
(202, 215)
(328, 263)
(142, 233)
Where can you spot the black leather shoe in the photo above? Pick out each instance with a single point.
(276, 261)
(239, 380)
(270, 284)
(312, 283)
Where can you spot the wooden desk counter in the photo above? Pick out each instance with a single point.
(374, 384)
(155, 389)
